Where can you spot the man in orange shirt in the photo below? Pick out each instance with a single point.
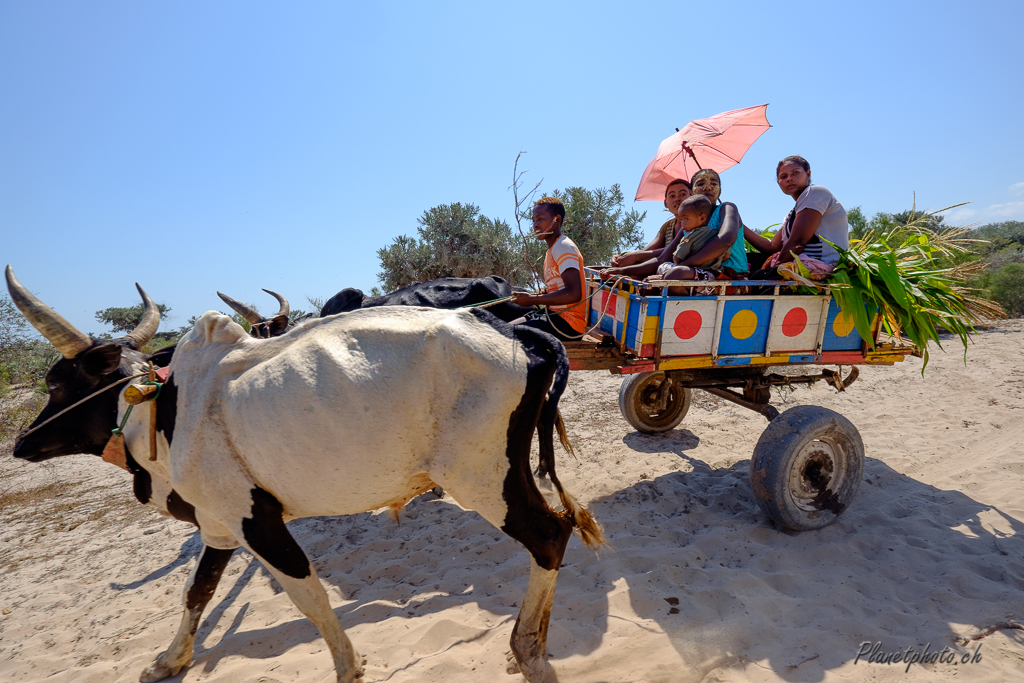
(563, 276)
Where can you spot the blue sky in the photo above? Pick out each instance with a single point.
(201, 146)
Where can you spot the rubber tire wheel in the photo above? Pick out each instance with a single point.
(638, 396)
(806, 467)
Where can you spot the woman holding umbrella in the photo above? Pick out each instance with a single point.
(726, 219)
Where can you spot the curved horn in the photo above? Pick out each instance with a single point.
(146, 328)
(251, 316)
(285, 309)
(58, 331)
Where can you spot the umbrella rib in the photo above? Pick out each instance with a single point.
(672, 158)
(735, 161)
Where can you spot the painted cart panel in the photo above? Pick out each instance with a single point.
(726, 329)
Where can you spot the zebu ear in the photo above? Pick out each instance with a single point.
(278, 325)
(101, 359)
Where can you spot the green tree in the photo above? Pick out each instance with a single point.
(858, 223)
(1006, 287)
(922, 219)
(1002, 236)
(126, 319)
(454, 241)
(597, 222)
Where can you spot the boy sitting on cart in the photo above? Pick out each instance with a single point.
(565, 315)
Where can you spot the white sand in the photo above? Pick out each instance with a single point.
(699, 585)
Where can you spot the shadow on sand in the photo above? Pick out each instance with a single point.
(692, 557)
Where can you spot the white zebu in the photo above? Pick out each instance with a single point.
(349, 414)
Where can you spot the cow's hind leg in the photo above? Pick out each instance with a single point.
(266, 535)
(202, 583)
(523, 514)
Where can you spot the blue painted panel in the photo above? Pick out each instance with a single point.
(737, 316)
(732, 361)
(850, 341)
(802, 359)
(632, 321)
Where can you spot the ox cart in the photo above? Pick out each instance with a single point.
(808, 462)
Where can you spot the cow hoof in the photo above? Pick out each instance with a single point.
(511, 665)
(158, 671)
(355, 674)
(529, 661)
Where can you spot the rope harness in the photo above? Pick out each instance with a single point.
(114, 451)
(78, 403)
(548, 312)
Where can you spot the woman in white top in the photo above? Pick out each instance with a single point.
(817, 214)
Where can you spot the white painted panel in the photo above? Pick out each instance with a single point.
(795, 323)
(689, 328)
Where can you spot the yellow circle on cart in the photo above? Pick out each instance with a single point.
(743, 324)
(843, 324)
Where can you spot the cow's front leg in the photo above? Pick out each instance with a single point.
(268, 538)
(530, 635)
(202, 583)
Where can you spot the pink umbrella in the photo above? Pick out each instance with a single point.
(717, 143)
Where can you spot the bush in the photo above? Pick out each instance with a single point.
(456, 241)
(1007, 288)
(23, 360)
(26, 363)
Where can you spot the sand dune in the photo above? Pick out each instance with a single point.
(698, 585)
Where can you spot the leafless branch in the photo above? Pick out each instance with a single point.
(517, 183)
(990, 630)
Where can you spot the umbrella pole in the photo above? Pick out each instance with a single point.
(686, 148)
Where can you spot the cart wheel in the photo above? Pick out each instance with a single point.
(638, 402)
(806, 467)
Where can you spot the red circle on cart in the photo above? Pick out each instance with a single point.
(687, 324)
(794, 322)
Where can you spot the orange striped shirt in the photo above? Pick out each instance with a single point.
(562, 255)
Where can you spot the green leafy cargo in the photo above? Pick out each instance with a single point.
(915, 278)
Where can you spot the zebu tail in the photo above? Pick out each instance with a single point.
(550, 419)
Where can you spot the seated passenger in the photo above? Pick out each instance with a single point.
(693, 217)
(724, 221)
(816, 215)
(566, 315)
(676, 193)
